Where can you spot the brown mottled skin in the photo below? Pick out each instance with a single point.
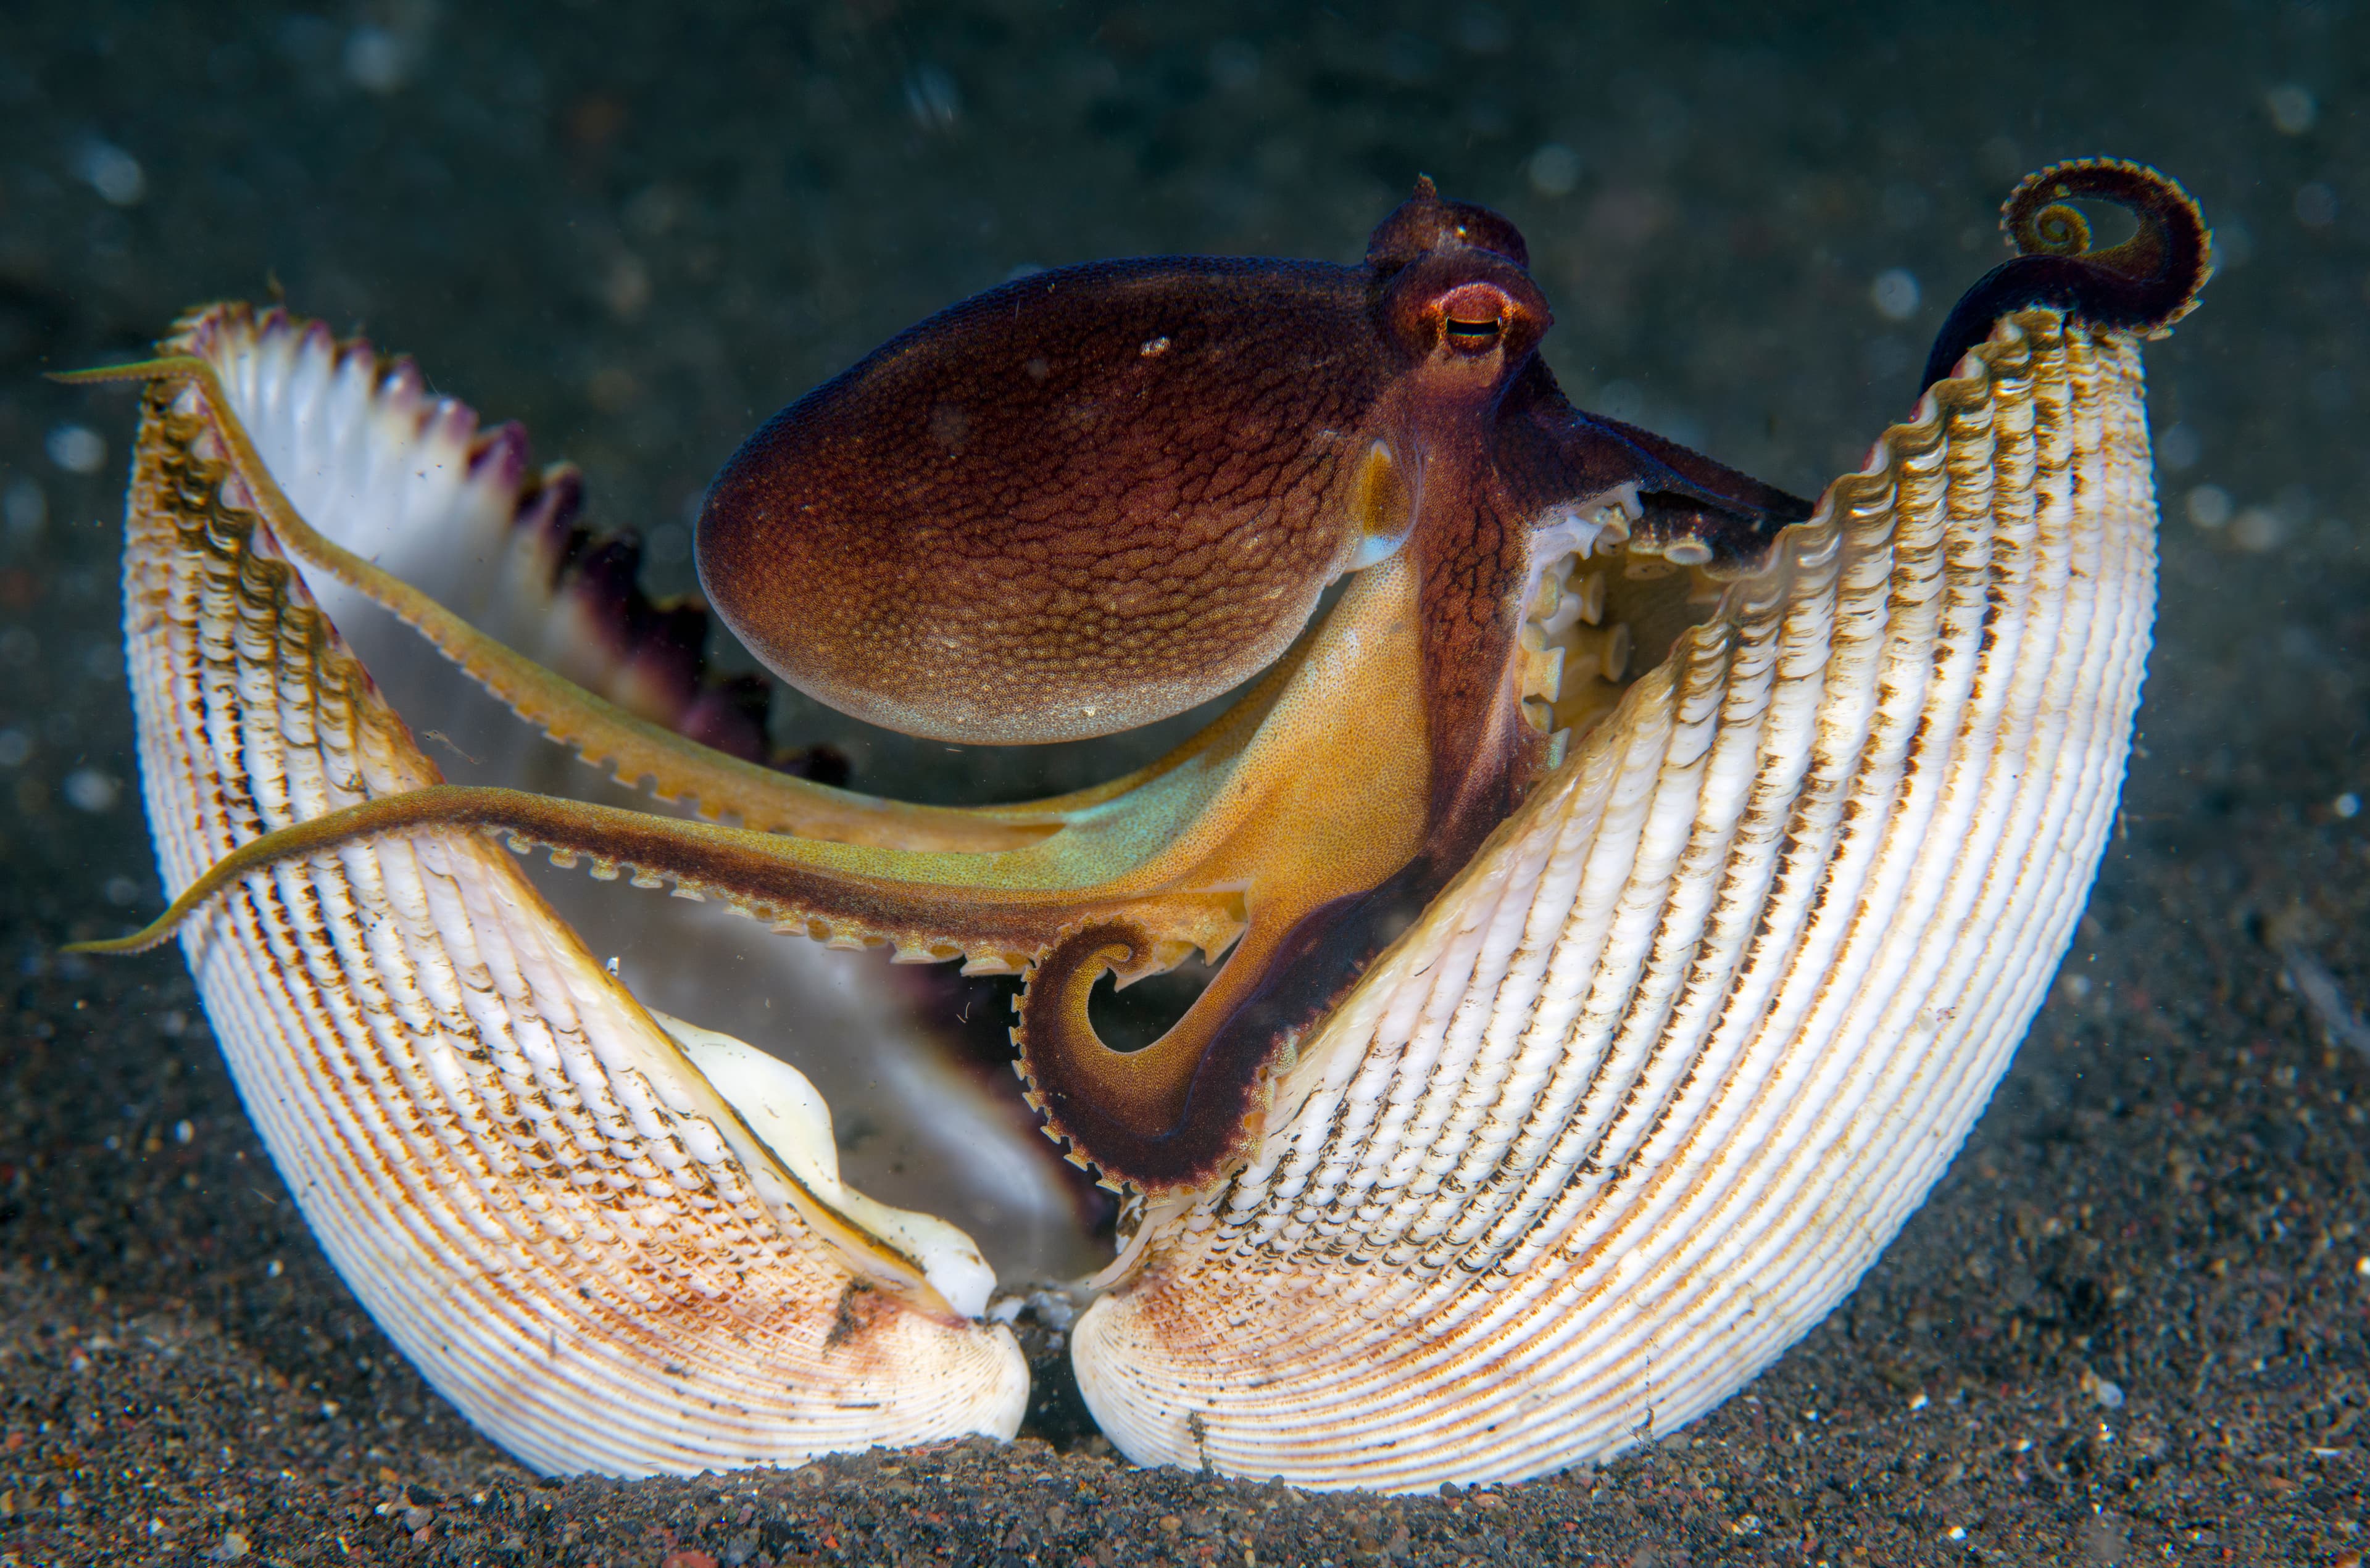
(1073, 505)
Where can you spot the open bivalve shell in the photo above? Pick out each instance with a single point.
(1633, 1103)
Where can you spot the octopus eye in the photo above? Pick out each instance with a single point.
(1473, 318)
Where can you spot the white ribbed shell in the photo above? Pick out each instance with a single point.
(520, 1174)
(1650, 1087)
(1633, 1104)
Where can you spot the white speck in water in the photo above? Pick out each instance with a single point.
(1554, 169)
(2292, 108)
(88, 789)
(2108, 1395)
(115, 174)
(183, 1131)
(2259, 530)
(2347, 805)
(1894, 294)
(376, 59)
(272, 1270)
(2209, 506)
(2178, 448)
(78, 448)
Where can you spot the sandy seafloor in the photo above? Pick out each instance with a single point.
(2130, 1324)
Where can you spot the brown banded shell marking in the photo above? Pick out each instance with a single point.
(1634, 894)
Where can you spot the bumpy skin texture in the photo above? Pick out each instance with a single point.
(1070, 506)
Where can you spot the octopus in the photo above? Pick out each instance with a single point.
(1622, 881)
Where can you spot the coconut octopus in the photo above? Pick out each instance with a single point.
(1625, 890)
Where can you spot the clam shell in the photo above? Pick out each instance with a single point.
(1650, 1087)
(1626, 1111)
(520, 1172)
